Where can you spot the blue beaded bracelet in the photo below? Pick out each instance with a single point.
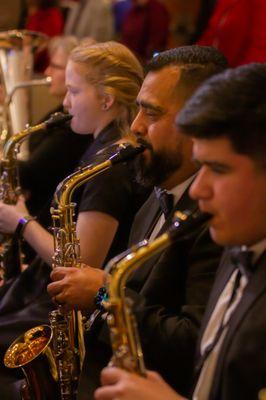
(101, 296)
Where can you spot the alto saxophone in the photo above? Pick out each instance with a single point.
(126, 346)
(65, 338)
(9, 178)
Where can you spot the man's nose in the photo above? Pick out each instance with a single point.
(200, 188)
(138, 126)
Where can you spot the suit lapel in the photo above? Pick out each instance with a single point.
(223, 274)
(141, 274)
(253, 290)
(145, 220)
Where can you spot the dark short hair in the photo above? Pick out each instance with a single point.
(232, 105)
(196, 63)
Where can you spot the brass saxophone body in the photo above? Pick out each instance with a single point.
(9, 178)
(127, 352)
(66, 339)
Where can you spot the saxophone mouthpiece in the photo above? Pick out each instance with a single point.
(126, 152)
(183, 221)
(57, 119)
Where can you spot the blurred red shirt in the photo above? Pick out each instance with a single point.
(145, 28)
(49, 21)
(238, 29)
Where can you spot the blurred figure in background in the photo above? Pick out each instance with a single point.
(94, 19)
(145, 28)
(237, 28)
(44, 16)
(203, 16)
(120, 10)
(56, 152)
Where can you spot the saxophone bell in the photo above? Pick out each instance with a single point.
(32, 353)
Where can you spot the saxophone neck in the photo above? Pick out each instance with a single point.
(11, 147)
(126, 345)
(121, 267)
(136, 256)
(64, 191)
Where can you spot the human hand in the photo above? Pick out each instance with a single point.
(122, 385)
(10, 215)
(75, 287)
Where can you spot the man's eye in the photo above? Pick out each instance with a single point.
(219, 169)
(152, 114)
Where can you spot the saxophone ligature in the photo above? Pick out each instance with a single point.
(65, 338)
(126, 345)
(9, 180)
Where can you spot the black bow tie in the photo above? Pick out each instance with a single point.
(166, 201)
(242, 259)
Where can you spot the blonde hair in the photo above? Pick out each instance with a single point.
(66, 43)
(114, 69)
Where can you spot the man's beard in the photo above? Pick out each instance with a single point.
(158, 169)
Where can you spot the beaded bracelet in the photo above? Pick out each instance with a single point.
(101, 296)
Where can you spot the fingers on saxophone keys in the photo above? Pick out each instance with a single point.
(58, 273)
(55, 291)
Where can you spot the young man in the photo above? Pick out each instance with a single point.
(230, 146)
(172, 288)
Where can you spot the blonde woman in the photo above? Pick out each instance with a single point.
(56, 152)
(102, 83)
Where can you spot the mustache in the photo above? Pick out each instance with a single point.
(144, 143)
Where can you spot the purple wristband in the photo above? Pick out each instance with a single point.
(22, 223)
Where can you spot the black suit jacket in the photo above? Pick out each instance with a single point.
(170, 292)
(241, 366)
